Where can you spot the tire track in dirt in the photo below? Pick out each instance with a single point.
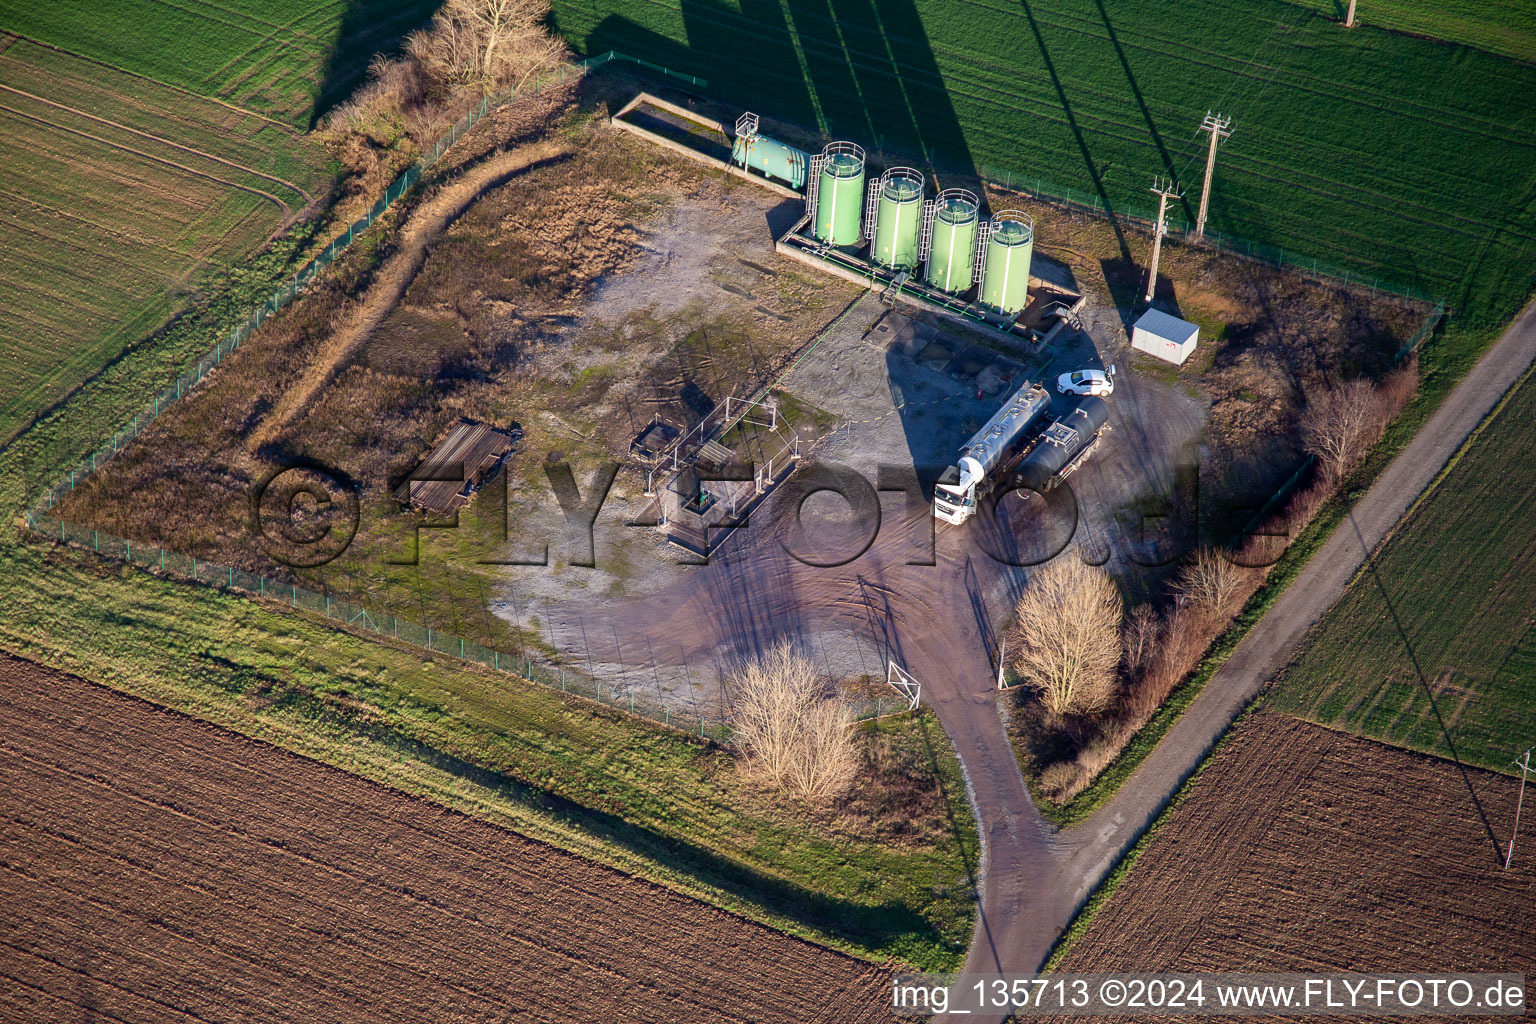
(427, 222)
(1031, 878)
(287, 210)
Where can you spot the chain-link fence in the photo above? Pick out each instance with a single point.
(339, 610)
(360, 619)
(1092, 204)
(290, 289)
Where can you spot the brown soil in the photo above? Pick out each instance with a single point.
(1304, 849)
(160, 868)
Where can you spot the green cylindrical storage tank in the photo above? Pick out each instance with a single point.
(952, 242)
(1005, 278)
(898, 218)
(840, 195)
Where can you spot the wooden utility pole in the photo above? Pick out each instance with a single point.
(1349, 18)
(1164, 189)
(1219, 127)
(1525, 767)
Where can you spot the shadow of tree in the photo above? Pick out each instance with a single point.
(368, 28)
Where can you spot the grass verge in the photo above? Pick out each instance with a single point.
(1445, 361)
(887, 876)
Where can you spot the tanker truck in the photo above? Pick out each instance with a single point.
(1062, 447)
(987, 454)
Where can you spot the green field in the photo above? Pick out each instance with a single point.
(1507, 27)
(118, 194)
(1397, 157)
(287, 59)
(1433, 645)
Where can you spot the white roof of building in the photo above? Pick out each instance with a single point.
(1170, 328)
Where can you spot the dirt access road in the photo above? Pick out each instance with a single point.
(936, 620)
(154, 867)
(425, 226)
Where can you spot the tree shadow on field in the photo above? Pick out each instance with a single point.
(877, 926)
(863, 70)
(368, 28)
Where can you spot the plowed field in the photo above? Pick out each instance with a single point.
(1304, 849)
(156, 868)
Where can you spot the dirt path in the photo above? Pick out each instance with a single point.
(425, 225)
(1094, 846)
(934, 620)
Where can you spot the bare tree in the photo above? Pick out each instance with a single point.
(1143, 632)
(486, 45)
(1066, 642)
(1340, 423)
(795, 738)
(1210, 582)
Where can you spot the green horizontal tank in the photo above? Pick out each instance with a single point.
(840, 194)
(952, 240)
(898, 218)
(770, 158)
(1005, 278)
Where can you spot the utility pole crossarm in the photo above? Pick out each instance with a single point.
(1220, 128)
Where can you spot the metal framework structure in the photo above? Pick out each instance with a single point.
(925, 233)
(901, 680)
(1164, 189)
(813, 185)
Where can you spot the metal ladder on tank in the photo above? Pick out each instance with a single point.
(872, 209)
(983, 236)
(925, 233)
(813, 188)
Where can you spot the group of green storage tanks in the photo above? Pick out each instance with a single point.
(894, 216)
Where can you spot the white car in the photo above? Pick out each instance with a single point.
(1087, 382)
